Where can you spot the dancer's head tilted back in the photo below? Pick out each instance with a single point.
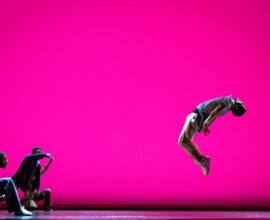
(238, 108)
(3, 160)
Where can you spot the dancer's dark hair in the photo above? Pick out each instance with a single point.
(238, 108)
(35, 149)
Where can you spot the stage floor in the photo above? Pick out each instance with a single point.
(140, 214)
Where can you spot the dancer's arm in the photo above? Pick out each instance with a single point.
(47, 166)
(36, 156)
(219, 110)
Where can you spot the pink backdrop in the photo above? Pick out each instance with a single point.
(106, 86)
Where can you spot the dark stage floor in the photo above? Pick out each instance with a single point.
(140, 214)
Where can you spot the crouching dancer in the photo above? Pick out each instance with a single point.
(8, 192)
(27, 178)
(200, 119)
(44, 194)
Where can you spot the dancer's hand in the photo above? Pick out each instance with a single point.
(2, 198)
(206, 130)
(49, 155)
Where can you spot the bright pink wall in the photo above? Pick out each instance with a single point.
(106, 86)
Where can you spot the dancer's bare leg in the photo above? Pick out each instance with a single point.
(186, 142)
(27, 196)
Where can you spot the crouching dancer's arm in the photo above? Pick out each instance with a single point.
(47, 166)
(37, 156)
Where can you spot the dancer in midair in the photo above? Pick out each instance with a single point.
(200, 120)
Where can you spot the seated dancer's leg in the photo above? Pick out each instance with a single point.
(11, 195)
(186, 142)
(46, 195)
(8, 188)
(27, 196)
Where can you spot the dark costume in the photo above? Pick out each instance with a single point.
(8, 188)
(28, 176)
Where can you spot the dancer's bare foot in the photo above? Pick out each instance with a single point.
(205, 166)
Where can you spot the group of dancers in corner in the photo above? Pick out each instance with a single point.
(28, 175)
(27, 178)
